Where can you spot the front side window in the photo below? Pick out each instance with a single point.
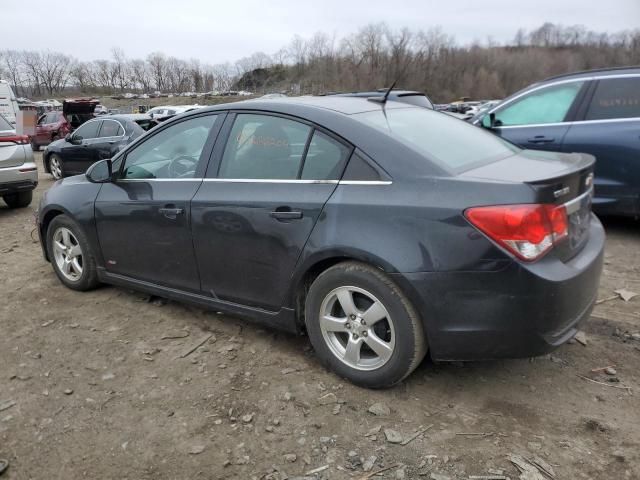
(547, 105)
(615, 98)
(111, 128)
(87, 131)
(175, 152)
(264, 147)
(325, 158)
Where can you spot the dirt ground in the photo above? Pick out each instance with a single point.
(94, 385)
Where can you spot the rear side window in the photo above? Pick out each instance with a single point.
(447, 141)
(325, 158)
(615, 98)
(111, 128)
(548, 105)
(264, 147)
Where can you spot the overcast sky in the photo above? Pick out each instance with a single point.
(220, 31)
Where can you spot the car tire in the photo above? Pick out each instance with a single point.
(56, 168)
(18, 199)
(70, 254)
(351, 308)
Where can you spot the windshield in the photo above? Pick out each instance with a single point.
(447, 141)
(4, 124)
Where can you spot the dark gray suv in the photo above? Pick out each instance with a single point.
(596, 112)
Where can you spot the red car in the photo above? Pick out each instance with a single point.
(57, 124)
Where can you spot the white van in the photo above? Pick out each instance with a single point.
(8, 105)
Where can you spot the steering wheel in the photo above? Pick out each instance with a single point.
(182, 166)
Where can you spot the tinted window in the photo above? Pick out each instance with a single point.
(448, 141)
(87, 130)
(325, 158)
(175, 152)
(548, 105)
(111, 128)
(51, 118)
(615, 98)
(262, 146)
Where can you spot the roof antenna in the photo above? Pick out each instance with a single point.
(383, 99)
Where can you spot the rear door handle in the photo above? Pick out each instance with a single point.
(541, 139)
(171, 212)
(286, 214)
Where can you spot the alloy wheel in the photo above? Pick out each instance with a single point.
(67, 254)
(55, 167)
(357, 328)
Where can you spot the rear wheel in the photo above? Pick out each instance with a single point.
(70, 254)
(55, 167)
(362, 326)
(18, 199)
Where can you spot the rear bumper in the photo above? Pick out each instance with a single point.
(523, 310)
(18, 179)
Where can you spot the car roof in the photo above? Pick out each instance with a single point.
(598, 72)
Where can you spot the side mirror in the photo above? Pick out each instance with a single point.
(67, 138)
(75, 140)
(100, 172)
(492, 120)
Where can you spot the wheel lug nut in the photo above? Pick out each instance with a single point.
(347, 325)
(352, 316)
(355, 336)
(362, 322)
(364, 334)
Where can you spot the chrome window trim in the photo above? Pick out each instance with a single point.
(577, 122)
(259, 180)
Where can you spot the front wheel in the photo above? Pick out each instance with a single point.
(362, 326)
(18, 199)
(70, 254)
(55, 167)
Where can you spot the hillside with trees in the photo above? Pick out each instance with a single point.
(374, 56)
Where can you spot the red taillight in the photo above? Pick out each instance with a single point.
(17, 139)
(527, 231)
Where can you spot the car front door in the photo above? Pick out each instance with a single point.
(538, 119)
(143, 216)
(610, 129)
(78, 153)
(259, 203)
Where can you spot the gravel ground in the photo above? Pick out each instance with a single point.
(94, 385)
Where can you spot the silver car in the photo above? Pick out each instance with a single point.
(18, 171)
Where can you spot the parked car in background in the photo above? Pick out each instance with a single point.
(596, 112)
(100, 110)
(8, 105)
(411, 97)
(56, 124)
(18, 172)
(163, 112)
(382, 230)
(95, 140)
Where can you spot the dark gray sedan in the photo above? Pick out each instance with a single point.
(382, 230)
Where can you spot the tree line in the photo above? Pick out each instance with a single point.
(372, 57)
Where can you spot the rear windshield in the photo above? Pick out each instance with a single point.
(4, 124)
(445, 140)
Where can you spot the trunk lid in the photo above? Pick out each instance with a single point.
(556, 178)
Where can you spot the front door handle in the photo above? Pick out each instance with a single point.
(541, 139)
(171, 212)
(285, 213)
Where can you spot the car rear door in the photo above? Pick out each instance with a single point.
(609, 128)
(539, 118)
(259, 203)
(143, 217)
